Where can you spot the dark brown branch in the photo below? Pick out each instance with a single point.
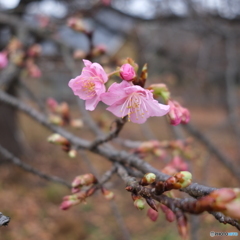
(113, 155)
(13, 159)
(185, 205)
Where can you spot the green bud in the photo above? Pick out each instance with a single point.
(139, 203)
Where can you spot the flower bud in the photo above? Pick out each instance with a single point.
(148, 178)
(183, 178)
(174, 113)
(127, 72)
(152, 214)
(139, 203)
(72, 153)
(169, 214)
(14, 45)
(52, 104)
(33, 69)
(109, 195)
(76, 123)
(69, 201)
(84, 180)
(58, 139)
(3, 60)
(76, 24)
(160, 90)
(79, 54)
(182, 226)
(98, 50)
(177, 113)
(35, 50)
(56, 120)
(63, 110)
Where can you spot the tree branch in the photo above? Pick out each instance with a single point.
(13, 159)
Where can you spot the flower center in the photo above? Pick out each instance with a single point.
(88, 87)
(135, 105)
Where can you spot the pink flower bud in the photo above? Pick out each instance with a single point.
(33, 69)
(69, 201)
(3, 60)
(174, 113)
(169, 214)
(152, 214)
(84, 180)
(76, 24)
(52, 104)
(127, 72)
(35, 50)
(178, 163)
(177, 113)
(98, 50)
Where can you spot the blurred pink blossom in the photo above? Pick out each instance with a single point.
(90, 84)
(127, 72)
(152, 214)
(177, 113)
(134, 101)
(3, 60)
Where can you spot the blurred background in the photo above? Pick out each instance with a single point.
(190, 45)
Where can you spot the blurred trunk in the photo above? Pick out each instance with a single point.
(10, 137)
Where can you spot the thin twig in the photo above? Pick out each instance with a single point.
(113, 134)
(13, 159)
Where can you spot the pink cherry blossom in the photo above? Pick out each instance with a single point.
(90, 84)
(3, 60)
(177, 113)
(134, 101)
(127, 72)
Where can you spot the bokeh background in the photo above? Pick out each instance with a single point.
(190, 45)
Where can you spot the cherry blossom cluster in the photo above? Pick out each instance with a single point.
(127, 98)
(23, 58)
(80, 192)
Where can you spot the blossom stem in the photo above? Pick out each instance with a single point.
(112, 73)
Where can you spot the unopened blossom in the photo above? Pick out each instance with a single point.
(152, 214)
(136, 102)
(127, 72)
(177, 113)
(3, 60)
(90, 84)
(169, 214)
